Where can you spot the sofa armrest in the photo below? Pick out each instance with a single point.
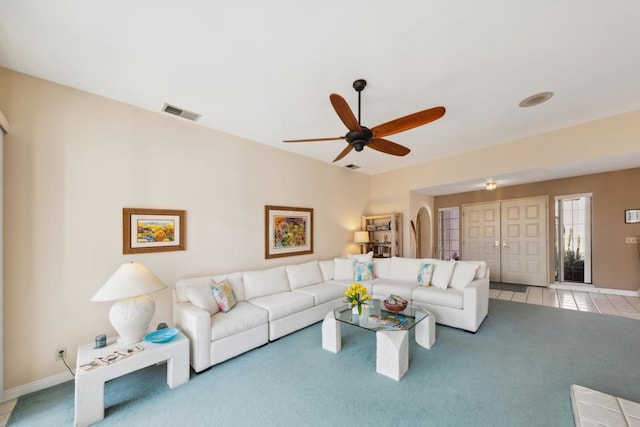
(196, 325)
(475, 303)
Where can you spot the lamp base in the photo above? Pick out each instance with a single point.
(130, 317)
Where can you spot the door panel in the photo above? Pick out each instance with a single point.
(524, 240)
(481, 235)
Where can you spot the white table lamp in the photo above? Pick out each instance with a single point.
(131, 313)
(362, 238)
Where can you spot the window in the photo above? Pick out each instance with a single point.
(573, 238)
(449, 220)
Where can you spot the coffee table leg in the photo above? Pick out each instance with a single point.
(426, 331)
(392, 353)
(331, 333)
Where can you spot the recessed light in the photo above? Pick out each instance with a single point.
(536, 99)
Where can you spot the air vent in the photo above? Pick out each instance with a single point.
(352, 166)
(189, 115)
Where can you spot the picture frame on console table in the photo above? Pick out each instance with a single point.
(153, 230)
(288, 231)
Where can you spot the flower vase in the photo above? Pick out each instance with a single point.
(356, 310)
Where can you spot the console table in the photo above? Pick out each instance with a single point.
(89, 385)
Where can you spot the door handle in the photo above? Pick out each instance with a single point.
(504, 244)
(496, 244)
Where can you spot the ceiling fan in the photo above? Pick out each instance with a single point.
(360, 136)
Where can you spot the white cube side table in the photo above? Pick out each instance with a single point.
(89, 385)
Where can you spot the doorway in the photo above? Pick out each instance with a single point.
(573, 238)
(511, 237)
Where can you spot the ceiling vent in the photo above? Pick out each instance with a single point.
(189, 115)
(352, 166)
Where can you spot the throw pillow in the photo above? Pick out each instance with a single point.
(442, 272)
(202, 297)
(424, 274)
(223, 293)
(343, 269)
(363, 271)
(463, 274)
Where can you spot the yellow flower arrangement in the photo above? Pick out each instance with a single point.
(356, 295)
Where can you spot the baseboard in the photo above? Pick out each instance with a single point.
(16, 392)
(593, 289)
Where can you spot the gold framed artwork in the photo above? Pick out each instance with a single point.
(288, 231)
(153, 230)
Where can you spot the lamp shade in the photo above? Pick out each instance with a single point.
(361, 237)
(130, 280)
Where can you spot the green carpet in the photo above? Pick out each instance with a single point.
(508, 287)
(515, 371)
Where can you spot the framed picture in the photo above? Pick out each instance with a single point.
(287, 231)
(631, 216)
(153, 230)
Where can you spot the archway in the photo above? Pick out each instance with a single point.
(423, 234)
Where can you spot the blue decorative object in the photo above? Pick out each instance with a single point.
(162, 335)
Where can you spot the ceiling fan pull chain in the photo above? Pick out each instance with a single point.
(359, 122)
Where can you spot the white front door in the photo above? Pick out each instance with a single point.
(481, 235)
(524, 241)
(511, 237)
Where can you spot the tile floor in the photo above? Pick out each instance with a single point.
(617, 305)
(572, 300)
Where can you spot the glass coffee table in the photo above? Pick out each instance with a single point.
(392, 333)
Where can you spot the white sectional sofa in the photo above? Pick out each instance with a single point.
(276, 301)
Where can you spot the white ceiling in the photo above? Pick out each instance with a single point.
(264, 70)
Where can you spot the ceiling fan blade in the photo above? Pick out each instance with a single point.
(314, 139)
(408, 122)
(388, 147)
(344, 153)
(344, 112)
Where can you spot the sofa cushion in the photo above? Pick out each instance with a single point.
(442, 272)
(463, 274)
(236, 283)
(283, 304)
(404, 268)
(223, 293)
(482, 268)
(363, 271)
(381, 267)
(183, 284)
(323, 292)
(243, 317)
(368, 257)
(403, 288)
(452, 298)
(343, 269)
(201, 296)
(425, 273)
(306, 274)
(366, 283)
(265, 282)
(326, 268)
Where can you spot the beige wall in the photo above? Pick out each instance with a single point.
(615, 264)
(72, 162)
